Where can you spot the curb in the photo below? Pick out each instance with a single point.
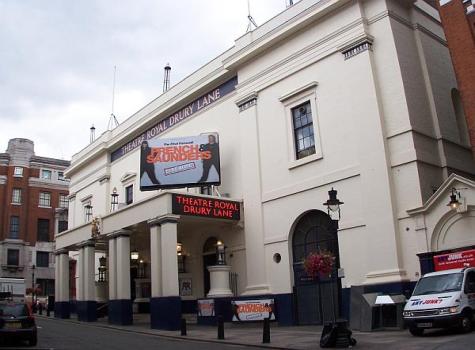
(165, 336)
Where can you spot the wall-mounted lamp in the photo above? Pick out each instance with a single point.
(457, 202)
(454, 202)
(179, 249)
(220, 253)
(114, 200)
(134, 255)
(333, 203)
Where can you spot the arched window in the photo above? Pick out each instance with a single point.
(314, 231)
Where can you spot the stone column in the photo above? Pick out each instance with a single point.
(165, 304)
(62, 304)
(86, 296)
(120, 304)
(219, 281)
(111, 271)
(252, 198)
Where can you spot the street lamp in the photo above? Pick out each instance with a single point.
(114, 199)
(220, 253)
(134, 255)
(102, 268)
(333, 203)
(342, 331)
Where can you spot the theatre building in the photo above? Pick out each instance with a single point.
(213, 194)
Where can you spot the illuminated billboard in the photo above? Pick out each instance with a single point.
(180, 162)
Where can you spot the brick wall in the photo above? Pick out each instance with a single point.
(459, 29)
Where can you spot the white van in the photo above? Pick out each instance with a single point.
(442, 299)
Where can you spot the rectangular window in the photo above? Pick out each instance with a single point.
(14, 227)
(62, 226)
(16, 196)
(43, 230)
(129, 194)
(63, 201)
(42, 259)
(60, 175)
(88, 211)
(45, 199)
(46, 174)
(18, 171)
(13, 257)
(303, 130)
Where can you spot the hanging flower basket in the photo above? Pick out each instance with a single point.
(319, 264)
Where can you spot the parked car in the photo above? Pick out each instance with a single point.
(443, 299)
(17, 322)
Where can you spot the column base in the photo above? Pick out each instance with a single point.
(165, 313)
(120, 312)
(62, 309)
(87, 310)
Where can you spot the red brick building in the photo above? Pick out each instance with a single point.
(458, 20)
(33, 206)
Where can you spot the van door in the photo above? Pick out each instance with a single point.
(469, 289)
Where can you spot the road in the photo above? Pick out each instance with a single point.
(54, 334)
(61, 334)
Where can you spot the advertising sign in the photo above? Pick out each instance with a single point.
(177, 117)
(206, 307)
(208, 207)
(180, 162)
(253, 310)
(454, 260)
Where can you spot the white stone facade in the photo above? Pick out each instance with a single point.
(378, 77)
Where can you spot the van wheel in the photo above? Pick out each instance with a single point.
(466, 322)
(417, 332)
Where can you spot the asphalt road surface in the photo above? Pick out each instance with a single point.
(54, 334)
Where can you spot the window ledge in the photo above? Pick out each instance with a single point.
(44, 206)
(299, 162)
(18, 204)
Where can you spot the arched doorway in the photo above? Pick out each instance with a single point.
(209, 259)
(317, 299)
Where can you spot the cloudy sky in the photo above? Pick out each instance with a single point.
(57, 60)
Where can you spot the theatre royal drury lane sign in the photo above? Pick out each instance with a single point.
(177, 117)
(205, 207)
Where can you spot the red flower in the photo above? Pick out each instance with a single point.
(319, 264)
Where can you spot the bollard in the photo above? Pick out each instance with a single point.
(220, 327)
(48, 312)
(183, 326)
(40, 308)
(266, 331)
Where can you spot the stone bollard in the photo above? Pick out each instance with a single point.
(266, 331)
(183, 326)
(220, 327)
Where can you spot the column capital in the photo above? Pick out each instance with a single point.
(87, 243)
(164, 219)
(61, 251)
(119, 233)
(247, 101)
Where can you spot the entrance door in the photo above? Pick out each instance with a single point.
(317, 299)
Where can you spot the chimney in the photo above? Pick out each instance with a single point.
(166, 77)
(93, 134)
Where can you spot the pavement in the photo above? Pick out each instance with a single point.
(295, 337)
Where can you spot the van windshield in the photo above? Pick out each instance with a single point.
(439, 284)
